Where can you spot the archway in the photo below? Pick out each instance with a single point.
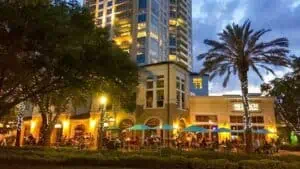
(79, 131)
(125, 134)
(125, 124)
(153, 123)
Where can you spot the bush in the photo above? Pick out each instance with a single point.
(169, 159)
(290, 147)
(267, 164)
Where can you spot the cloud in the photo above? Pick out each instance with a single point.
(282, 16)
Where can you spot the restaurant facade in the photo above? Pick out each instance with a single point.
(167, 94)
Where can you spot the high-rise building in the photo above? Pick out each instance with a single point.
(180, 32)
(145, 28)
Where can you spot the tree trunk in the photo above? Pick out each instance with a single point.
(19, 129)
(101, 129)
(21, 108)
(247, 117)
(18, 138)
(45, 135)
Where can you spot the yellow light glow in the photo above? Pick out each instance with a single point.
(141, 34)
(112, 119)
(197, 82)
(172, 57)
(32, 126)
(175, 125)
(92, 124)
(105, 124)
(1, 125)
(58, 126)
(153, 35)
(141, 26)
(272, 129)
(103, 100)
(66, 124)
(172, 22)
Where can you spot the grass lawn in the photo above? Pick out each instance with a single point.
(40, 158)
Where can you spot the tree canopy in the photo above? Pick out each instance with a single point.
(48, 47)
(287, 91)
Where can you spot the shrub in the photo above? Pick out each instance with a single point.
(290, 147)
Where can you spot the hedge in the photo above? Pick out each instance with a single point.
(166, 159)
(290, 147)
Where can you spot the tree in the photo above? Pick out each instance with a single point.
(46, 47)
(239, 50)
(286, 91)
(49, 50)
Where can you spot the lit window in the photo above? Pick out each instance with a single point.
(153, 35)
(197, 82)
(141, 26)
(180, 92)
(149, 99)
(142, 34)
(155, 92)
(236, 119)
(257, 119)
(172, 57)
(206, 119)
(172, 22)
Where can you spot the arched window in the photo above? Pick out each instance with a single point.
(126, 123)
(154, 122)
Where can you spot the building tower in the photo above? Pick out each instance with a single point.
(180, 32)
(142, 28)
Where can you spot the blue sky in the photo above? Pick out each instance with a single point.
(211, 16)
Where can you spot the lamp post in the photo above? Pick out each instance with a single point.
(102, 107)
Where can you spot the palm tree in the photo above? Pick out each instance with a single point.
(239, 50)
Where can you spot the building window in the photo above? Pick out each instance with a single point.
(149, 93)
(120, 1)
(236, 119)
(257, 119)
(140, 58)
(142, 18)
(160, 91)
(100, 14)
(99, 22)
(142, 4)
(240, 107)
(108, 20)
(109, 3)
(172, 41)
(100, 6)
(180, 92)
(197, 82)
(109, 11)
(142, 34)
(206, 119)
(155, 92)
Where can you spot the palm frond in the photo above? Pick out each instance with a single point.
(227, 77)
(239, 49)
(255, 69)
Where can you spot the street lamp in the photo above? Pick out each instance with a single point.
(102, 107)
